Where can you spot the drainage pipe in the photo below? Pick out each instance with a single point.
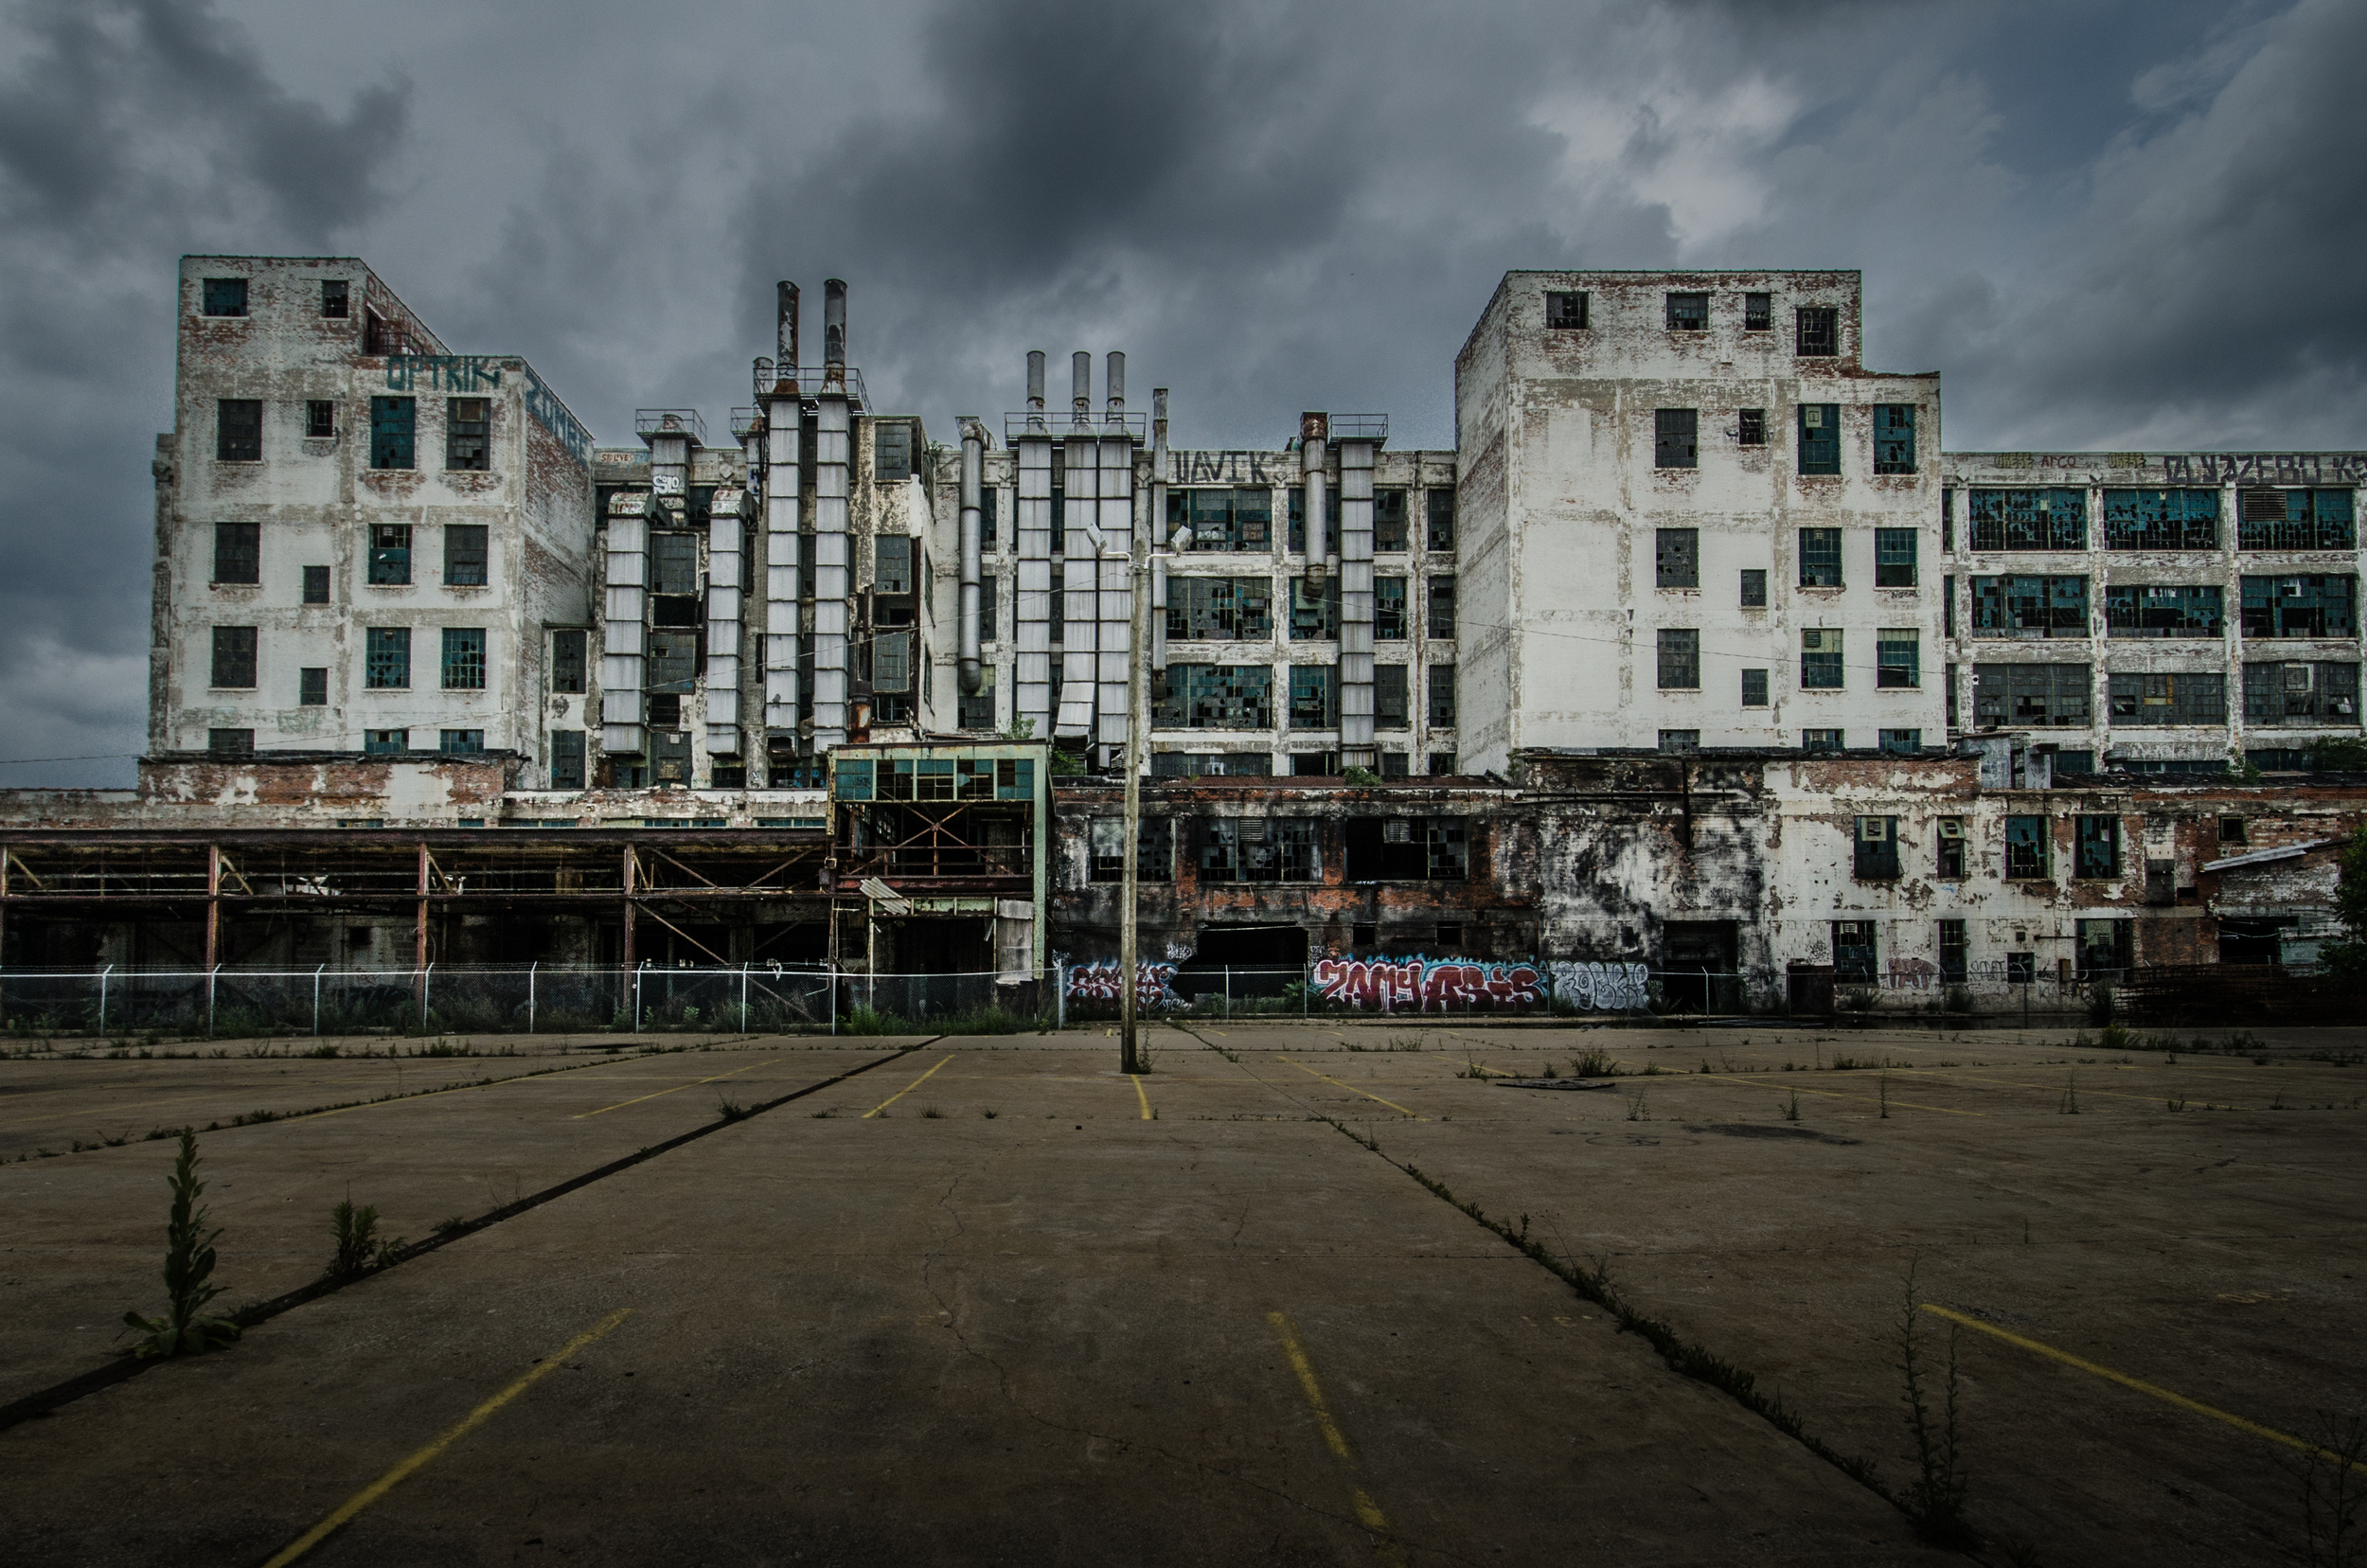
(974, 462)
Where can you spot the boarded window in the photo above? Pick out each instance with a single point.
(1820, 558)
(1898, 657)
(223, 296)
(1314, 609)
(1893, 437)
(239, 430)
(2294, 520)
(1877, 848)
(2161, 520)
(1441, 517)
(1821, 660)
(387, 661)
(1442, 695)
(566, 759)
(465, 554)
(2030, 606)
(1441, 607)
(237, 552)
(2140, 699)
(233, 656)
(1393, 700)
(1679, 659)
(1676, 558)
(1675, 437)
(2033, 696)
(1688, 312)
(2028, 519)
(1315, 697)
(1389, 609)
(568, 659)
(2308, 605)
(469, 434)
(1212, 609)
(1389, 519)
(464, 658)
(2171, 609)
(1817, 332)
(1565, 311)
(1819, 438)
(2300, 694)
(393, 427)
(1200, 696)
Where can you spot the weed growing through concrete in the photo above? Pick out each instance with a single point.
(1883, 1086)
(359, 1249)
(1636, 1109)
(1593, 1063)
(990, 1114)
(730, 1109)
(2069, 1104)
(2176, 1104)
(929, 1112)
(2333, 1491)
(1936, 1498)
(184, 1330)
(1791, 1112)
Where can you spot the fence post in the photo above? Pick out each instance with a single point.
(530, 973)
(1228, 991)
(1307, 984)
(317, 999)
(217, 969)
(102, 997)
(743, 999)
(1059, 999)
(427, 981)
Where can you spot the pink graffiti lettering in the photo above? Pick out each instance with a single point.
(1426, 984)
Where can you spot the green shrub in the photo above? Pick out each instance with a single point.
(185, 1330)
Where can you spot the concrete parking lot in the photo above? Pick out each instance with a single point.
(983, 1300)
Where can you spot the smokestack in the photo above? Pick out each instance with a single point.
(1116, 391)
(834, 329)
(1081, 386)
(785, 329)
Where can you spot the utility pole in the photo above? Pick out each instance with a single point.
(1137, 692)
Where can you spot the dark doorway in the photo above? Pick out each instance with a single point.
(1698, 961)
(1254, 960)
(956, 945)
(2252, 941)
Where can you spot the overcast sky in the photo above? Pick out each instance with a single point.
(2110, 225)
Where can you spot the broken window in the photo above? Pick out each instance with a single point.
(468, 435)
(2310, 605)
(1819, 438)
(2181, 610)
(1754, 688)
(224, 296)
(669, 758)
(1260, 849)
(892, 563)
(1314, 609)
(2020, 606)
(1688, 312)
(2300, 694)
(2161, 520)
(392, 425)
(1406, 848)
(320, 420)
(1898, 657)
(1389, 609)
(1948, 520)
(1854, 952)
(461, 742)
(1211, 765)
(987, 623)
(230, 742)
(1893, 437)
(671, 662)
(1676, 558)
(1441, 764)
(1950, 864)
(1876, 857)
(1056, 611)
(390, 554)
(1441, 510)
(2028, 519)
(233, 656)
(312, 686)
(568, 659)
(239, 430)
(1820, 558)
(1442, 695)
(1819, 742)
(1679, 659)
(1675, 438)
(465, 551)
(1817, 332)
(986, 516)
(1954, 969)
(2025, 848)
(566, 759)
(673, 563)
(2107, 949)
(1899, 742)
(335, 297)
(1750, 427)
(1200, 696)
(1389, 519)
(1759, 313)
(1894, 557)
(890, 451)
(237, 552)
(2099, 846)
(1754, 587)
(464, 658)
(1565, 311)
(1441, 623)
(385, 742)
(1680, 740)
(1212, 609)
(1948, 605)
(2033, 696)
(1298, 517)
(1820, 660)
(1393, 700)
(891, 665)
(2294, 520)
(977, 707)
(1224, 518)
(1315, 697)
(387, 660)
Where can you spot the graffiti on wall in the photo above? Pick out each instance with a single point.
(1600, 988)
(2268, 467)
(444, 372)
(1154, 984)
(1427, 984)
(552, 415)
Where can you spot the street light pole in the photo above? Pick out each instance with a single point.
(1137, 691)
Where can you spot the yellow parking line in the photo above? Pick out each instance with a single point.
(451, 1434)
(2142, 1387)
(676, 1090)
(1354, 1089)
(1836, 1094)
(1141, 1096)
(901, 1093)
(1367, 1512)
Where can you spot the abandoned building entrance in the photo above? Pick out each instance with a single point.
(2257, 940)
(945, 944)
(1251, 960)
(1700, 967)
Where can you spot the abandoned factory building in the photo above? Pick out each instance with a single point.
(1696, 667)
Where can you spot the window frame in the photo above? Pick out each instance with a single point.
(460, 558)
(468, 435)
(1438, 689)
(1895, 557)
(222, 298)
(464, 654)
(1676, 439)
(1894, 438)
(238, 546)
(1691, 316)
(1819, 450)
(1825, 548)
(1678, 661)
(1438, 621)
(1827, 649)
(236, 650)
(246, 445)
(387, 658)
(1393, 698)
(1676, 557)
(1566, 310)
(394, 433)
(1754, 677)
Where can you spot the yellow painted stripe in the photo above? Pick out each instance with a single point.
(451, 1434)
(901, 1093)
(676, 1090)
(1834, 1094)
(1141, 1096)
(1354, 1089)
(2040, 1347)
(1367, 1512)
